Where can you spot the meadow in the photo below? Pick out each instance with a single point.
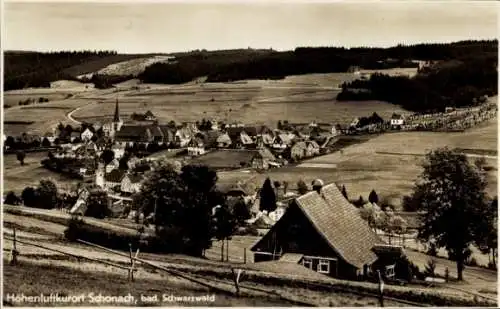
(296, 99)
(388, 163)
(16, 177)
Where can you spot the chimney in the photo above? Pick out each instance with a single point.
(317, 184)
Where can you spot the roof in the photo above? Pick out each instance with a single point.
(396, 116)
(340, 224)
(291, 257)
(286, 138)
(266, 154)
(232, 158)
(312, 143)
(133, 132)
(148, 114)
(156, 131)
(256, 130)
(134, 178)
(234, 132)
(115, 175)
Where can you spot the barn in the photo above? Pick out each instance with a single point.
(322, 231)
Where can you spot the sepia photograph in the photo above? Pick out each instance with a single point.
(249, 153)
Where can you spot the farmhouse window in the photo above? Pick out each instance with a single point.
(307, 262)
(324, 266)
(390, 271)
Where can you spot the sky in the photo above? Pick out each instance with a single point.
(162, 27)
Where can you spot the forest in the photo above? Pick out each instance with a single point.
(459, 84)
(305, 60)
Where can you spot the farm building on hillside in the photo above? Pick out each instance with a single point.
(283, 141)
(397, 121)
(239, 137)
(226, 159)
(203, 141)
(322, 231)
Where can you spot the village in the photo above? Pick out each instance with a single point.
(116, 157)
(262, 157)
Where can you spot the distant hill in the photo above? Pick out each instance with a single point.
(34, 69)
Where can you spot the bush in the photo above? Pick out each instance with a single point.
(430, 268)
(29, 196)
(12, 199)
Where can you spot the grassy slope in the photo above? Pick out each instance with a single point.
(210, 268)
(365, 166)
(67, 281)
(17, 177)
(297, 99)
(98, 64)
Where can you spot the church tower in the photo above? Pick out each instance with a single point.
(117, 122)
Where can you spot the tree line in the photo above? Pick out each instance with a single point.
(34, 69)
(457, 85)
(304, 60)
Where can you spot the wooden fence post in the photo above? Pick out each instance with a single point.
(227, 249)
(380, 289)
(131, 270)
(244, 255)
(236, 279)
(14, 252)
(222, 250)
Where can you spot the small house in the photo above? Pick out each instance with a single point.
(149, 116)
(397, 121)
(168, 134)
(86, 135)
(354, 123)
(131, 183)
(196, 146)
(114, 179)
(324, 233)
(312, 148)
(223, 141)
(119, 151)
(112, 165)
(283, 141)
(51, 137)
(239, 137)
(298, 151)
(183, 136)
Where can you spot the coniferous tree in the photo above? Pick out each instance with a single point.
(302, 187)
(344, 192)
(373, 197)
(267, 197)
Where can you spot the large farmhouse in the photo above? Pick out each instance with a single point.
(322, 231)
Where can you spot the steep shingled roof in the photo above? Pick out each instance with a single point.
(340, 224)
(115, 175)
(133, 132)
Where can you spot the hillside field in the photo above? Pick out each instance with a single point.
(253, 102)
(389, 163)
(17, 177)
